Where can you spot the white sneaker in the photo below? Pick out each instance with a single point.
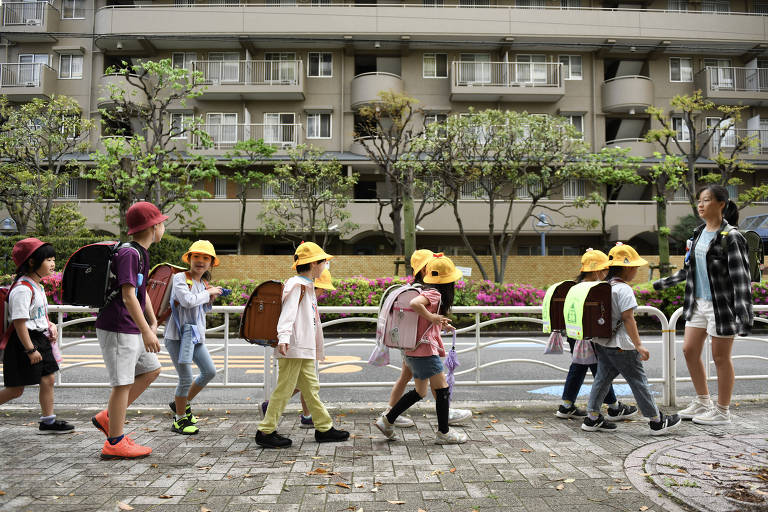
(695, 408)
(713, 417)
(401, 421)
(452, 437)
(456, 416)
(387, 428)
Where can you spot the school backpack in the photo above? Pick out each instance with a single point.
(258, 325)
(159, 289)
(754, 252)
(398, 323)
(587, 311)
(7, 325)
(88, 276)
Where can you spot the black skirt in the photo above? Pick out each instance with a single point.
(17, 370)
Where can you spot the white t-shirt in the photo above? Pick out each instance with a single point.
(19, 305)
(622, 299)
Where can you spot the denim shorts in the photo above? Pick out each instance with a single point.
(424, 367)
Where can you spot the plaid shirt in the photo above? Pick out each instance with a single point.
(729, 281)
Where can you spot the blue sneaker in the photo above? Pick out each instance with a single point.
(306, 421)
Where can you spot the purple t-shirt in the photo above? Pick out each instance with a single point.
(127, 266)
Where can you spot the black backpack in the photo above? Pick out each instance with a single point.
(88, 277)
(754, 252)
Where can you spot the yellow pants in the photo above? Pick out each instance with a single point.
(296, 373)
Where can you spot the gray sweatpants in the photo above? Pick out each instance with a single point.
(614, 361)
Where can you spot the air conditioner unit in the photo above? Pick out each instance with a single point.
(31, 84)
(33, 22)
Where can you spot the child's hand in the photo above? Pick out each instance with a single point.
(448, 328)
(35, 357)
(215, 291)
(644, 354)
(282, 348)
(53, 332)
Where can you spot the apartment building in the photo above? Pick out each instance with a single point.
(294, 71)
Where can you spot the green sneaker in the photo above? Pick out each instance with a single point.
(187, 412)
(184, 426)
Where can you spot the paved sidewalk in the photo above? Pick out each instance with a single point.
(518, 459)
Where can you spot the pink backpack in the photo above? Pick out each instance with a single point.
(398, 324)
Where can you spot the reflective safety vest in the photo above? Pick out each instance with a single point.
(546, 325)
(574, 309)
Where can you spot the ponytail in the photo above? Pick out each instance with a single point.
(731, 213)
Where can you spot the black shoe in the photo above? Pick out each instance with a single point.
(621, 412)
(331, 436)
(273, 440)
(570, 412)
(57, 427)
(599, 424)
(665, 425)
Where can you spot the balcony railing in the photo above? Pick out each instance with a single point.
(727, 141)
(737, 79)
(507, 74)
(22, 75)
(25, 13)
(250, 72)
(225, 136)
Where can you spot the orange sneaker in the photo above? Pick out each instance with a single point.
(125, 449)
(101, 422)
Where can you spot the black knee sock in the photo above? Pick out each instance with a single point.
(402, 405)
(442, 397)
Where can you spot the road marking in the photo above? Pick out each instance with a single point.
(557, 390)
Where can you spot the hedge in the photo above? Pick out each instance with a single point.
(170, 249)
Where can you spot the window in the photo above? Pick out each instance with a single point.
(72, 9)
(183, 60)
(222, 128)
(70, 126)
(473, 3)
(570, 4)
(716, 6)
(760, 7)
(224, 67)
(720, 73)
(435, 65)
(433, 3)
(220, 188)
(680, 195)
(574, 188)
(30, 74)
(577, 120)
(179, 122)
(529, 189)
(531, 4)
(435, 118)
(474, 68)
(681, 128)
(724, 133)
(531, 68)
(281, 67)
(270, 191)
(678, 5)
(280, 128)
(571, 67)
(680, 69)
(71, 66)
(320, 64)
(320, 3)
(318, 126)
(68, 190)
(733, 191)
(473, 190)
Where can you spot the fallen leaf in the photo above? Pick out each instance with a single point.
(707, 473)
(437, 472)
(453, 470)
(247, 475)
(526, 450)
(681, 470)
(375, 489)
(289, 461)
(124, 506)
(321, 487)
(569, 480)
(165, 496)
(626, 488)
(342, 484)
(560, 487)
(204, 509)
(204, 467)
(202, 490)
(316, 458)
(396, 502)
(552, 454)
(2, 493)
(494, 421)
(153, 465)
(318, 471)
(359, 486)
(59, 484)
(644, 508)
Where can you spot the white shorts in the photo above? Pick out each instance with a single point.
(703, 317)
(125, 356)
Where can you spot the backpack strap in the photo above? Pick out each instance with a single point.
(724, 237)
(9, 330)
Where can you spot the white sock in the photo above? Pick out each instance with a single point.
(704, 400)
(179, 417)
(724, 409)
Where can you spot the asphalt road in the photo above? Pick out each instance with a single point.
(246, 365)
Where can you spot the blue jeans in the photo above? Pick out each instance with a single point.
(614, 361)
(202, 359)
(574, 380)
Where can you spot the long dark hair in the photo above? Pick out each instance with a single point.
(447, 293)
(720, 193)
(582, 275)
(35, 260)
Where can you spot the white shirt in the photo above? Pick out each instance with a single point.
(23, 306)
(622, 299)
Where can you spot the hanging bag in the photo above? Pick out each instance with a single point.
(380, 355)
(584, 353)
(555, 343)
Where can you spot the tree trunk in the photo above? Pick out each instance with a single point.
(661, 220)
(692, 184)
(241, 238)
(409, 227)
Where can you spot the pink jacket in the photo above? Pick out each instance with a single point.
(432, 342)
(299, 324)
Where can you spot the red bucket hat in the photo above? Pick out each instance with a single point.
(24, 249)
(143, 215)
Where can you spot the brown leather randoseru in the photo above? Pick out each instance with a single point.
(262, 312)
(159, 285)
(556, 317)
(597, 312)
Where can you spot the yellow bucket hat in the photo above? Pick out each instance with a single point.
(420, 258)
(308, 252)
(324, 281)
(201, 247)
(441, 270)
(593, 261)
(623, 255)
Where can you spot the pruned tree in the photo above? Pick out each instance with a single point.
(40, 142)
(317, 194)
(665, 177)
(246, 161)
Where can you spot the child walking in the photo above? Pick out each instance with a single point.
(191, 299)
(419, 260)
(127, 332)
(300, 342)
(29, 358)
(623, 352)
(594, 267)
(434, 302)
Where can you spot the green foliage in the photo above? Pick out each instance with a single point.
(683, 229)
(67, 218)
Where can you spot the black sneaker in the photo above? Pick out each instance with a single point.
(621, 412)
(665, 425)
(599, 424)
(331, 436)
(187, 412)
(570, 412)
(273, 440)
(57, 427)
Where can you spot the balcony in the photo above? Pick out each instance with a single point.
(733, 86)
(630, 94)
(757, 143)
(24, 82)
(367, 86)
(251, 80)
(225, 136)
(638, 147)
(108, 82)
(506, 81)
(30, 22)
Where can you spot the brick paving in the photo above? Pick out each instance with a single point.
(518, 459)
